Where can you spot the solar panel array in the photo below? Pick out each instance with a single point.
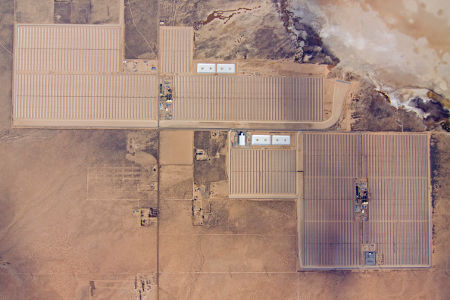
(69, 75)
(247, 98)
(176, 48)
(397, 169)
(262, 173)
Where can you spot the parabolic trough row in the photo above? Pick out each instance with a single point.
(61, 83)
(73, 76)
(322, 176)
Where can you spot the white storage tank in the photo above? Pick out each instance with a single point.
(226, 68)
(241, 139)
(206, 68)
(260, 140)
(284, 140)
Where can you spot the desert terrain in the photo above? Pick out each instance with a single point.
(72, 202)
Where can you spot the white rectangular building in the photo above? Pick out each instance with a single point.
(204, 68)
(281, 140)
(260, 140)
(226, 68)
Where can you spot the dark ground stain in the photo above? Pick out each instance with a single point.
(434, 165)
(224, 15)
(385, 96)
(372, 112)
(203, 140)
(212, 170)
(435, 110)
(6, 207)
(72, 12)
(310, 48)
(141, 23)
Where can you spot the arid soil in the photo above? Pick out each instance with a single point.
(232, 29)
(85, 11)
(6, 50)
(370, 111)
(141, 28)
(57, 233)
(68, 227)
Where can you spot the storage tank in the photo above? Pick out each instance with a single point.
(241, 139)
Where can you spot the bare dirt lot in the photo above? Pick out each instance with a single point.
(86, 11)
(55, 241)
(141, 28)
(68, 198)
(58, 231)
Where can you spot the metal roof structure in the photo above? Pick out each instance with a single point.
(247, 98)
(176, 47)
(398, 229)
(68, 75)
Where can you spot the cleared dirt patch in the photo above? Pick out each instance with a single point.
(176, 147)
(86, 11)
(214, 144)
(141, 28)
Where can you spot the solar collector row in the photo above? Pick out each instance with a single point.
(84, 97)
(396, 167)
(251, 98)
(263, 171)
(67, 37)
(67, 49)
(398, 174)
(330, 235)
(176, 49)
(67, 60)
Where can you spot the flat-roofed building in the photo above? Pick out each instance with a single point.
(69, 75)
(397, 230)
(226, 68)
(206, 68)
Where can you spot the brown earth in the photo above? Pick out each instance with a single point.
(86, 11)
(371, 111)
(55, 239)
(141, 29)
(174, 147)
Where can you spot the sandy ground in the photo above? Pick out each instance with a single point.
(58, 239)
(29, 11)
(141, 28)
(174, 147)
(54, 241)
(57, 235)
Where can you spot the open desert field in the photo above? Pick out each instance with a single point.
(146, 214)
(68, 230)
